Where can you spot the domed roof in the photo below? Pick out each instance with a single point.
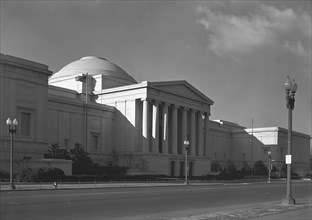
(93, 66)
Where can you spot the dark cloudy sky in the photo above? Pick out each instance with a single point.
(236, 52)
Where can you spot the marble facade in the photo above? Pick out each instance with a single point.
(94, 102)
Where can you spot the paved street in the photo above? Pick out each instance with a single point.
(146, 202)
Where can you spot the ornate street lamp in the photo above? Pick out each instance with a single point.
(269, 177)
(186, 144)
(12, 130)
(290, 88)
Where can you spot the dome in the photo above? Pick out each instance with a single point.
(93, 66)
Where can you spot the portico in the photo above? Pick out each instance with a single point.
(166, 114)
(193, 126)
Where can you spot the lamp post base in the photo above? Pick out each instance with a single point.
(12, 186)
(288, 200)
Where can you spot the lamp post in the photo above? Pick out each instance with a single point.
(269, 177)
(186, 144)
(12, 130)
(290, 88)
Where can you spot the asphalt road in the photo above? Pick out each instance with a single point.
(142, 202)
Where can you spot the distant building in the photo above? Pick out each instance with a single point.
(94, 102)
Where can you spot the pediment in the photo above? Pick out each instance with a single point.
(181, 88)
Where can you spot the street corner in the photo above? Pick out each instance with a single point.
(302, 211)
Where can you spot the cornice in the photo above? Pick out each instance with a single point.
(25, 64)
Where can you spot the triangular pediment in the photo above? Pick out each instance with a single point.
(181, 88)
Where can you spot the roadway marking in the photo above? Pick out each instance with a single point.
(235, 184)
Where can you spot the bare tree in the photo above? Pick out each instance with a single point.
(21, 166)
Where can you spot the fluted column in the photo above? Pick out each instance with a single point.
(165, 129)
(207, 150)
(174, 132)
(200, 136)
(145, 125)
(184, 125)
(193, 141)
(155, 127)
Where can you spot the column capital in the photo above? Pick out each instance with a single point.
(156, 102)
(201, 114)
(174, 106)
(205, 115)
(165, 104)
(146, 99)
(186, 109)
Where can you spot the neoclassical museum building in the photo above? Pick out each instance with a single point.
(141, 125)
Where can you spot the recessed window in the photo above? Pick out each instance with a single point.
(191, 165)
(66, 143)
(25, 123)
(265, 153)
(282, 153)
(182, 168)
(95, 142)
(172, 168)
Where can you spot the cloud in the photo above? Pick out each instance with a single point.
(233, 33)
(297, 48)
(228, 33)
(287, 20)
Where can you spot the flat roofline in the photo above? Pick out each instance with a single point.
(270, 129)
(27, 64)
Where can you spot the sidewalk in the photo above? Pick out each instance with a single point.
(49, 186)
(299, 214)
(264, 211)
(89, 185)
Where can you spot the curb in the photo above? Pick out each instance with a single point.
(72, 186)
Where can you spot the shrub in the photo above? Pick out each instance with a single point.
(56, 152)
(215, 166)
(52, 174)
(230, 175)
(110, 171)
(231, 166)
(4, 174)
(45, 175)
(260, 168)
(246, 170)
(24, 175)
(82, 163)
(115, 171)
